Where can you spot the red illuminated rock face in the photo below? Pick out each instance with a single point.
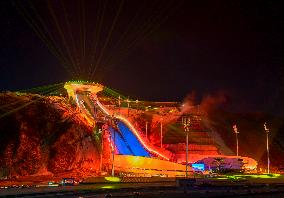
(24, 159)
(46, 137)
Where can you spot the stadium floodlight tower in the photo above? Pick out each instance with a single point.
(161, 132)
(186, 125)
(113, 147)
(267, 146)
(235, 129)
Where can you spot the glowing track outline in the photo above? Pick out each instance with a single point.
(134, 130)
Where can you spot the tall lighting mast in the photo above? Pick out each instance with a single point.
(113, 150)
(267, 146)
(186, 124)
(161, 131)
(235, 129)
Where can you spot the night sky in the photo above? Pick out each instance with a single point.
(233, 47)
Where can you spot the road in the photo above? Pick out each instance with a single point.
(159, 189)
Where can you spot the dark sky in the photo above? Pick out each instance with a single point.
(235, 47)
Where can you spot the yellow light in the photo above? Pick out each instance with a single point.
(262, 176)
(113, 179)
(107, 187)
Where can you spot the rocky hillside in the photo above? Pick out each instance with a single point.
(44, 136)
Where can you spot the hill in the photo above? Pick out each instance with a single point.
(44, 136)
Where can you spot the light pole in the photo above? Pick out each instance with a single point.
(112, 165)
(186, 125)
(267, 146)
(235, 129)
(113, 150)
(161, 133)
(102, 148)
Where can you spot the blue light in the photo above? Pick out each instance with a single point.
(132, 141)
(120, 144)
(198, 167)
(126, 142)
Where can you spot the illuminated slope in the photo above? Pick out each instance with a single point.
(131, 128)
(132, 140)
(126, 142)
(145, 144)
(122, 147)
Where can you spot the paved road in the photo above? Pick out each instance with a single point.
(166, 189)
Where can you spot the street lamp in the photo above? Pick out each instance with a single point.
(267, 146)
(102, 148)
(161, 132)
(113, 148)
(186, 124)
(235, 129)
